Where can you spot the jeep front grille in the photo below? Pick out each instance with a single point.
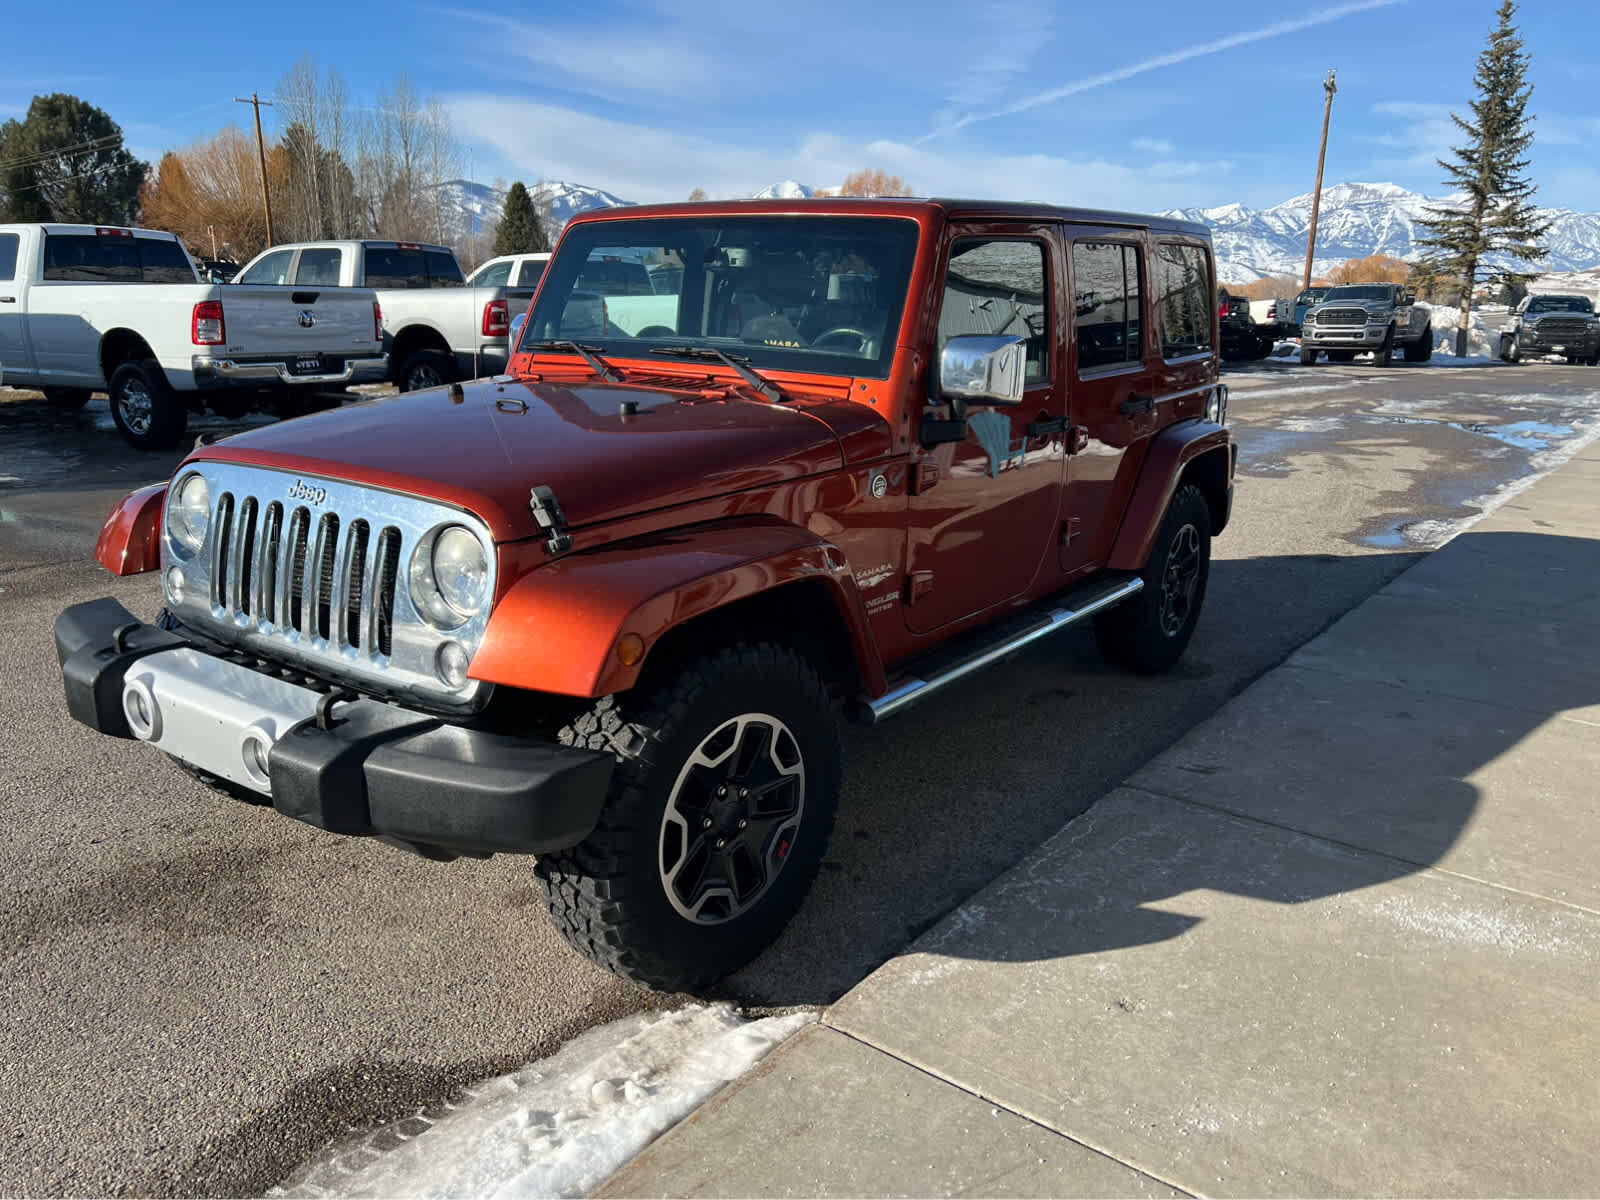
(310, 572)
(1342, 316)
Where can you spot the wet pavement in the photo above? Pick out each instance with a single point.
(201, 994)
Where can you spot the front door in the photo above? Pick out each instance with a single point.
(13, 349)
(983, 517)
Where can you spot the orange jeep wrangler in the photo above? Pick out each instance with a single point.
(750, 461)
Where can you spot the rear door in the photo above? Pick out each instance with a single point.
(13, 341)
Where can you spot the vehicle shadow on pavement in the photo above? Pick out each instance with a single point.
(1367, 741)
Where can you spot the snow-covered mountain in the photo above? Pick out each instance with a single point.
(787, 190)
(473, 207)
(1356, 220)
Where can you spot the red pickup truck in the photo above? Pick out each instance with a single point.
(603, 609)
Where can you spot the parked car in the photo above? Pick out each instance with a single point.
(1546, 323)
(1308, 299)
(510, 270)
(87, 308)
(216, 270)
(1274, 318)
(603, 610)
(436, 329)
(1357, 317)
(1241, 338)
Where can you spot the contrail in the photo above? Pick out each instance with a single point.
(1165, 60)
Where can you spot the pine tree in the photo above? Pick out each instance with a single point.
(520, 231)
(65, 162)
(1496, 217)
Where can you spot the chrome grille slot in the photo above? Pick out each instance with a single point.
(322, 583)
(1342, 316)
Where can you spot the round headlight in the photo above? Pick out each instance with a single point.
(460, 570)
(189, 512)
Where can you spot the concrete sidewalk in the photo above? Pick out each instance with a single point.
(1344, 938)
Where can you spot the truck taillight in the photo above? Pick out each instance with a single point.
(208, 327)
(377, 322)
(496, 319)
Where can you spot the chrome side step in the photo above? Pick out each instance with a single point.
(897, 699)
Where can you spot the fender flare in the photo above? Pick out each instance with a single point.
(130, 540)
(1170, 454)
(557, 628)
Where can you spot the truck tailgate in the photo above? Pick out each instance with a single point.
(271, 319)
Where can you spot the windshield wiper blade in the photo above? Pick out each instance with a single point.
(739, 363)
(591, 355)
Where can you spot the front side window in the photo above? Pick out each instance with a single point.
(8, 255)
(817, 294)
(999, 287)
(1186, 304)
(272, 269)
(1108, 291)
(319, 266)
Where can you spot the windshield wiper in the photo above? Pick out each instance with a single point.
(740, 364)
(591, 355)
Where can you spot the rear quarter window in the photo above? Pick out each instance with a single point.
(1184, 281)
(396, 268)
(163, 261)
(8, 255)
(443, 269)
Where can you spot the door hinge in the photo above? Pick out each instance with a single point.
(925, 476)
(1138, 406)
(1070, 528)
(918, 586)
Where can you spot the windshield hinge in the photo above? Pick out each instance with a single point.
(546, 510)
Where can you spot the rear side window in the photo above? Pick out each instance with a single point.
(8, 255)
(77, 257)
(495, 276)
(395, 268)
(1108, 291)
(443, 269)
(274, 268)
(999, 287)
(1185, 293)
(319, 267)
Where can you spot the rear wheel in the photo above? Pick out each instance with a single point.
(426, 369)
(1421, 350)
(719, 812)
(66, 399)
(1150, 632)
(147, 412)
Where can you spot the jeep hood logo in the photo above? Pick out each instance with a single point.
(307, 318)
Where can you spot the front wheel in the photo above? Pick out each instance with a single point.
(1384, 354)
(1307, 356)
(719, 812)
(1510, 352)
(145, 409)
(1150, 632)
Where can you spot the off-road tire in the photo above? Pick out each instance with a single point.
(66, 399)
(426, 369)
(1307, 356)
(1509, 351)
(147, 412)
(1421, 350)
(1138, 634)
(1384, 354)
(608, 895)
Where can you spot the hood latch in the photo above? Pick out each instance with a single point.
(546, 510)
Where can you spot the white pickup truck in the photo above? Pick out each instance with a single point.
(87, 308)
(436, 329)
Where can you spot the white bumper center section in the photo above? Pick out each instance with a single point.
(215, 715)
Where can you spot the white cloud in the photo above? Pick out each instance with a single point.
(1151, 146)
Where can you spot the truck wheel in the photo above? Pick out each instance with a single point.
(1384, 354)
(426, 369)
(1510, 352)
(1308, 355)
(147, 413)
(719, 812)
(1264, 347)
(1421, 351)
(66, 399)
(1149, 632)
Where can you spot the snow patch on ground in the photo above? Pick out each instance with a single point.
(558, 1127)
(1483, 343)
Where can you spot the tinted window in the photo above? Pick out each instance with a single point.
(999, 287)
(101, 258)
(443, 269)
(1185, 292)
(611, 275)
(395, 268)
(1107, 288)
(163, 261)
(8, 255)
(320, 267)
(533, 270)
(495, 276)
(274, 268)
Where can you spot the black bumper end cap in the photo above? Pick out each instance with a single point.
(96, 643)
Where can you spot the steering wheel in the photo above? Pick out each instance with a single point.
(864, 340)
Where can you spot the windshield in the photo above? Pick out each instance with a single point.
(1562, 304)
(1353, 292)
(816, 294)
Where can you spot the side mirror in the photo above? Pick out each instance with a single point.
(983, 368)
(517, 323)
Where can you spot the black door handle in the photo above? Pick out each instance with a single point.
(1047, 427)
(8, 299)
(1138, 406)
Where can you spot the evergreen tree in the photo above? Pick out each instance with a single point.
(65, 162)
(520, 231)
(1496, 216)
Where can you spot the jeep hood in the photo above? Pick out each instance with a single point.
(608, 450)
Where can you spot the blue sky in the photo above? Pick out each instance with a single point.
(1142, 104)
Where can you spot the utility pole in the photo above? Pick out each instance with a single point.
(256, 102)
(1330, 87)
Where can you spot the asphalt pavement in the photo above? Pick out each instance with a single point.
(202, 993)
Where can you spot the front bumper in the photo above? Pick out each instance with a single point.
(363, 768)
(212, 372)
(1345, 335)
(1536, 341)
